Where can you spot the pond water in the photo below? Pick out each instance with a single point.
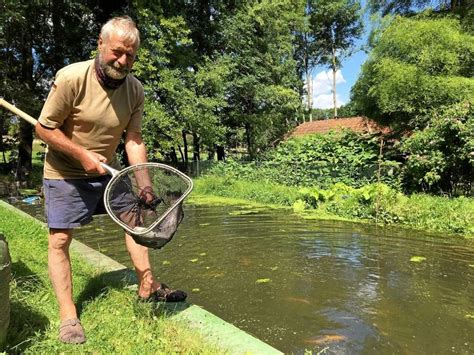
(330, 287)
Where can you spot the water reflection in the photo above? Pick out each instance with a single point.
(318, 285)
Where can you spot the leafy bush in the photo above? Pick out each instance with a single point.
(440, 157)
(317, 160)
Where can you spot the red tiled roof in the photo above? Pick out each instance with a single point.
(357, 124)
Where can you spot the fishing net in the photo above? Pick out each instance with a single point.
(146, 200)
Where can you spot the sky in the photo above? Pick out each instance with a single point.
(345, 77)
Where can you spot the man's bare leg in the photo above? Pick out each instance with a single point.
(59, 266)
(140, 259)
(148, 286)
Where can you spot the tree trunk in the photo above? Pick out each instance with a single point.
(25, 143)
(250, 145)
(196, 147)
(181, 153)
(173, 155)
(220, 153)
(2, 147)
(309, 80)
(25, 148)
(334, 69)
(211, 153)
(185, 145)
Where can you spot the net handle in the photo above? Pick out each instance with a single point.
(114, 172)
(33, 121)
(109, 169)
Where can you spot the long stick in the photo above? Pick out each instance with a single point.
(18, 112)
(33, 121)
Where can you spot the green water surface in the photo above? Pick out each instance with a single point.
(330, 287)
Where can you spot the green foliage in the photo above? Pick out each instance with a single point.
(342, 111)
(417, 65)
(419, 78)
(440, 157)
(335, 25)
(328, 37)
(261, 192)
(263, 84)
(317, 160)
(408, 7)
(181, 95)
(376, 203)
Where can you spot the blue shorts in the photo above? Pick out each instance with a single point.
(71, 203)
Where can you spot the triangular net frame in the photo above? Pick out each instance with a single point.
(143, 197)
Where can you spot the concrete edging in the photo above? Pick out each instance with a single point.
(227, 336)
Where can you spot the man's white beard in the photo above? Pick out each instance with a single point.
(112, 71)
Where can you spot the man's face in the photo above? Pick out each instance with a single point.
(116, 56)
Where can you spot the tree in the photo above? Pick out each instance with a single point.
(335, 25)
(409, 6)
(343, 111)
(264, 85)
(307, 56)
(38, 38)
(419, 79)
(416, 66)
(182, 97)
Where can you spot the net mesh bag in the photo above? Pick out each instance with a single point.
(146, 200)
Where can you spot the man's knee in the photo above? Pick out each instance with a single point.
(60, 238)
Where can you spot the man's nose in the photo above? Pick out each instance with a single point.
(122, 60)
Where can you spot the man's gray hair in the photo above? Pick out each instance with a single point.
(124, 26)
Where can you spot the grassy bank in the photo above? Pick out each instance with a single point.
(114, 321)
(376, 203)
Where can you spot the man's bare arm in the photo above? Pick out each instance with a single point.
(135, 148)
(57, 140)
(136, 153)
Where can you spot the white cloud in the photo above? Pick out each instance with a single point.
(326, 101)
(322, 86)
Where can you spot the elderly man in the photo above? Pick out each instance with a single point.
(90, 105)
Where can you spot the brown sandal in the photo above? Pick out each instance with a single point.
(71, 332)
(165, 294)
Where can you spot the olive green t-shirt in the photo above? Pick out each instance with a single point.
(90, 115)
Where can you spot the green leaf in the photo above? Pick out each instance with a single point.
(417, 259)
(263, 281)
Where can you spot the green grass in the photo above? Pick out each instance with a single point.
(114, 321)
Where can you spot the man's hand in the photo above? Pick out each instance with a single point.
(148, 197)
(57, 140)
(91, 162)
